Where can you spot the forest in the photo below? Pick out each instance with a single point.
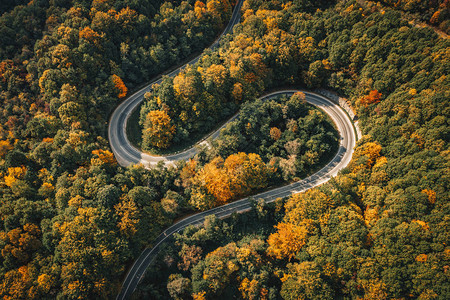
(73, 220)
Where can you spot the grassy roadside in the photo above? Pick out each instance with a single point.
(134, 130)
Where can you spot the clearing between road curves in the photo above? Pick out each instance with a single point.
(127, 154)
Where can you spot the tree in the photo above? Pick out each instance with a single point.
(104, 157)
(238, 175)
(288, 240)
(120, 86)
(373, 98)
(179, 287)
(275, 133)
(5, 146)
(71, 112)
(158, 130)
(129, 217)
(108, 196)
(190, 256)
(303, 281)
(14, 174)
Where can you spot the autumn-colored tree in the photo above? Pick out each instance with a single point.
(129, 217)
(431, 195)
(217, 74)
(366, 154)
(216, 181)
(199, 9)
(20, 243)
(373, 98)
(219, 10)
(247, 172)
(250, 289)
(158, 130)
(187, 84)
(275, 133)
(5, 146)
(199, 296)
(14, 174)
(237, 92)
(288, 239)
(17, 284)
(91, 36)
(120, 86)
(188, 172)
(104, 156)
(190, 256)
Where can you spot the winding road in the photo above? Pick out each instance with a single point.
(127, 154)
(123, 150)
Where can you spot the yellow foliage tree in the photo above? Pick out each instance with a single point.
(249, 289)
(104, 156)
(217, 74)
(45, 282)
(247, 172)
(158, 130)
(199, 296)
(216, 180)
(16, 284)
(431, 195)
(238, 175)
(219, 10)
(129, 217)
(288, 240)
(14, 174)
(371, 150)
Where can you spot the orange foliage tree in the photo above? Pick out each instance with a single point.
(120, 86)
(90, 35)
(275, 133)
(373, 97)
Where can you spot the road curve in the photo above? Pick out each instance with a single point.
(125, 153)
(340, 160)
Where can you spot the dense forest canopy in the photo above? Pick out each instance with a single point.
(72, 219)
(377, 231)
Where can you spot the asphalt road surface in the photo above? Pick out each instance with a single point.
(126, 154)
